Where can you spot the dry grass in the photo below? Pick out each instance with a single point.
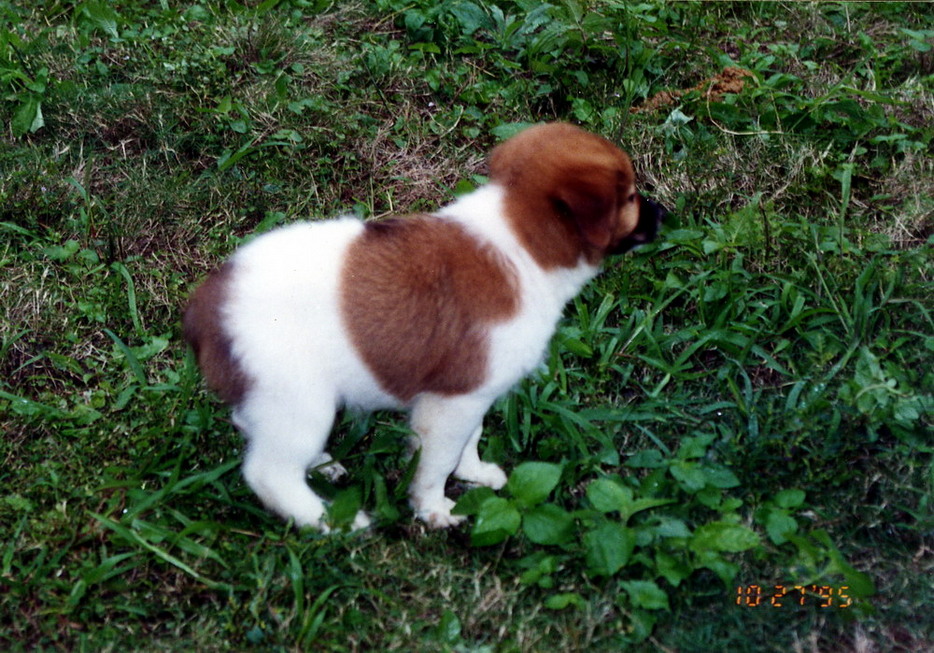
(909, 196)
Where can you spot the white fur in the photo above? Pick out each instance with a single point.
(284, 321)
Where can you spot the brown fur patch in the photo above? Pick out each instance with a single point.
(204, 331)
(418, 295)
(569, 193)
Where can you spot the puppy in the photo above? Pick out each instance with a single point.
(437, 314)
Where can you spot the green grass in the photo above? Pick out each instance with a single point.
(747, 401)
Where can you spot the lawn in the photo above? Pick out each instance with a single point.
(728, 447)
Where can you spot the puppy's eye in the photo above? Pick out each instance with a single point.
(632, 197)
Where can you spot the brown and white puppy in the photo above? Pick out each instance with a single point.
(438, 314)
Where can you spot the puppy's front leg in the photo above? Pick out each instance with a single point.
(473, 470)
(444, 426)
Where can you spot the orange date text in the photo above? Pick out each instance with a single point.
(782, 596)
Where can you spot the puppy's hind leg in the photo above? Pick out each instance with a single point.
(328, 467)
(283, 441)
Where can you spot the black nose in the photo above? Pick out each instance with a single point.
(651, 216)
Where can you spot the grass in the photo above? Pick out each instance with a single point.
(746, 402)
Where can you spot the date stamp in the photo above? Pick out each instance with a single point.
(794, 596)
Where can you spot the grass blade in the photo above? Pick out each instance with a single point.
(132, 537)
(131, 296)
(132, 361)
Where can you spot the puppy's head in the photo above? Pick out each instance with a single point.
(572, 194)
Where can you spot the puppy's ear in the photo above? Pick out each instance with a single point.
(590, 206)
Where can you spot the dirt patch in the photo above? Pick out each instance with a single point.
(729, 80)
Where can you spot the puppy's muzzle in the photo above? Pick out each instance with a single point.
(651, 216)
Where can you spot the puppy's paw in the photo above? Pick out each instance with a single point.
(319, 525)
(491, 476)
(361, 522)
(439, 516)
(329, 468)
(344, 523)
(481, 473)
